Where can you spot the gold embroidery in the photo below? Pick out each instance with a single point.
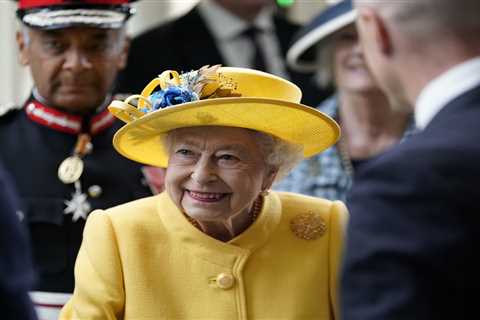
(308, 226)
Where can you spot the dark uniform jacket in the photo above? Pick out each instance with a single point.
(186, 44)
(16, 274)
(32, 151)
(412, 245)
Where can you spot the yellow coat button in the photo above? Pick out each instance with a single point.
(225, 281)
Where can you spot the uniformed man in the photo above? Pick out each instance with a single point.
(58, 145)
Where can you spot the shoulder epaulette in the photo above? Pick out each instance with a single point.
(7, 107)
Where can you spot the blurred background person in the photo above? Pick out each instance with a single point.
(237, 33)
(74, 50)
(16, 271)
(368, 122)
(412, 242)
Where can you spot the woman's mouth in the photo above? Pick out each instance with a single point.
(205, 196)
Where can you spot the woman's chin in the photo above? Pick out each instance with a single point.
(203, 215)
(204, 209)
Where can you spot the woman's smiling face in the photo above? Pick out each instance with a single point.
(215, 173)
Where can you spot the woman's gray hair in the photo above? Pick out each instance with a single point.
(279, 154)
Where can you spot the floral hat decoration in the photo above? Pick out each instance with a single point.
(217, 96)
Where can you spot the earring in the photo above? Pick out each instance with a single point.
(264, 193)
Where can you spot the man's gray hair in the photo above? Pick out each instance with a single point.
(26, 36)
(428, 16)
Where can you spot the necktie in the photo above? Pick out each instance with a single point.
(258, 60)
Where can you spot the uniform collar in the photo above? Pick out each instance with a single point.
(208, 248)
(66, 122)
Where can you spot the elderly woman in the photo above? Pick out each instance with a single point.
(370, 125)
(216, 244)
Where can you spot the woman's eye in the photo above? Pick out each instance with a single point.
(228, 158)
(348, 37)
(184, 152)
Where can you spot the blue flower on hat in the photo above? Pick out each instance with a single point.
(173, 95)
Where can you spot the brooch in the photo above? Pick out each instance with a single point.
(308, 226)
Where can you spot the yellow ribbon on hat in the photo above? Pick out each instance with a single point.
(124, 110)
(127, 112)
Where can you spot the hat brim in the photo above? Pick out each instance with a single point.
(296, 53)
(141, 139)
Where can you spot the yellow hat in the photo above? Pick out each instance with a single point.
(218, 96)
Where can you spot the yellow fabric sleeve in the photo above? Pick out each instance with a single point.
(99, 293)
(338, 225)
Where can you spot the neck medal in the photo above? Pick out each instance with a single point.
(70, 171)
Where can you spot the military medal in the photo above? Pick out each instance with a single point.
(70, 169)
(78, 206)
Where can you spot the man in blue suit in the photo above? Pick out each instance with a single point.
(415, 211)
(16, 272)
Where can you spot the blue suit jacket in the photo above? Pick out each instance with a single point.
(16, 275)
(413, 239)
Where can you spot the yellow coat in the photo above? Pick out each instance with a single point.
(144, 260)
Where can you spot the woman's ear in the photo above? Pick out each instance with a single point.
(269, 179)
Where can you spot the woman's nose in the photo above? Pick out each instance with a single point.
(204, 172)
(357, 47)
